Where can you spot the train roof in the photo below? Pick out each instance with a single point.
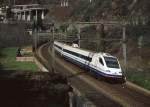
(105, 55)
(83, 51)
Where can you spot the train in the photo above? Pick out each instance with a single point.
(102, 65)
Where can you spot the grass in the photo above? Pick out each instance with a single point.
(8, 61)
(141, 78)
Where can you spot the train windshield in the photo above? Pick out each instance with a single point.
(111, 62)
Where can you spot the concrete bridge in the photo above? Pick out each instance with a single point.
(29, 12)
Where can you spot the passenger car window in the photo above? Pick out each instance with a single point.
(101, 61)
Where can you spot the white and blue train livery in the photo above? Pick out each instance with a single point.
(101, 64)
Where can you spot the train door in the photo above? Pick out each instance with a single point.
(100, 64)
(88, 60)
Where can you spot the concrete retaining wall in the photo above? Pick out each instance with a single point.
(25, 59)
(78, 100)
(40, 66)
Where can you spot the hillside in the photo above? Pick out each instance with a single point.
(131, 10)
(106, 9)
(135, 11)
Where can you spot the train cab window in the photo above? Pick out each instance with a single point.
(111, 62)
(101, 61)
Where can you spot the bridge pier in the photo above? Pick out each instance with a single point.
(20, 16)
(29, 16)
(36, 15)
(24, 16)
(42, 15)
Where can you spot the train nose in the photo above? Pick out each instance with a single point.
(119, 72)
(116, 71)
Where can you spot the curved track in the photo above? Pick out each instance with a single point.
(101, 93)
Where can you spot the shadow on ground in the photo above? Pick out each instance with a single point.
(26, 89)
(0, 57)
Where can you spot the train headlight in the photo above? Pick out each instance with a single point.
(107, 70)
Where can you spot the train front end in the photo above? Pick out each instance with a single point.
(113, 69)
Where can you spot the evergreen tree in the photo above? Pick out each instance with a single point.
(3, 2)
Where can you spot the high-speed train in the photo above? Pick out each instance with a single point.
(100, 64)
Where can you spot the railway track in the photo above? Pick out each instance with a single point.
(101, 93)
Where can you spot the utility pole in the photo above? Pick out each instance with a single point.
(9, 2)
(14, 2)
(101, 36)
(53, 51)
(35, 39)
(65, 35)
(124, 47)
(53, 30)
(79, 37)
(99, 39)
(35, 31)
(140, 44)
